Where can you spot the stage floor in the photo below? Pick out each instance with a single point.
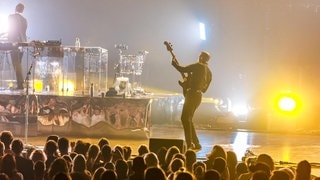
(288, 148)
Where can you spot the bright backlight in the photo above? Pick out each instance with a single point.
(202, 29)
(240, 110)
(287, 104)
(3, 23)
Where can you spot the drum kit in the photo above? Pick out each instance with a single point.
(129, 71)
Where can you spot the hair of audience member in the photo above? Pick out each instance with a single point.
(38, 155)
(8, 165)
(232, 162)
(110, 166)
(138, 164)
(68, 160)
(29, 152)
(109, 175)
(267, 159)
(4, 176)
(197, 164)
(53, 137)
(217, 151)
(93, 153)
(116, 155)
(191, 158)
(97, 173)
(63, 145)
(79, 168)
(184, 175)
(17, 146)
(211, 174)
(260, 166)
(219, 164)
(303, 170)
(174, 166)
(58, 165)
(169, 155)
(161, 153)
(103, 141)
(120, 148)
(50, 148)
(198, 172)
(260, 175)
(79, 176)
(198, 169)
(289, 171)
(6, 137)
(62, 176)
(151, 159)
(180, 156)
(127, 151)
(106, 153)
(39, 170)
(1, 149)
(143, 149)
(241, 168)
(72, 154)
(154, 173)
(122, 169)
(81, 147)
(279, 175)
(79, 163)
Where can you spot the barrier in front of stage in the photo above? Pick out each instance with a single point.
(87, 116)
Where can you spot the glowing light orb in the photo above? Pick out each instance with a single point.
(287, 104)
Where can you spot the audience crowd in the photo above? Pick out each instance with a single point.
(64, 160)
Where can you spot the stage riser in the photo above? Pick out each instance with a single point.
(84, 116)
(79, 116)
(18, 129)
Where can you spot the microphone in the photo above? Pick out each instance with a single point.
(37, 53)
(30, 68)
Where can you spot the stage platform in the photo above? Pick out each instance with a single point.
(85, 116)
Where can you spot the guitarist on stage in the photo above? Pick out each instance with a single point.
(199, 79)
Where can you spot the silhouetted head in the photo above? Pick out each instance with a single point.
(20, 8)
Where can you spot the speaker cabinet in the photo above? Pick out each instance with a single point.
(156, 143)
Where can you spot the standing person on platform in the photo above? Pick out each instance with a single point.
(17, 33)
(197, 82)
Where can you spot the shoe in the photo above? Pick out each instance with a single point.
(197, 147)
(190, 146)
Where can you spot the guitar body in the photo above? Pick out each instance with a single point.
(184, 83)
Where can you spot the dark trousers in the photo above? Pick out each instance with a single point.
(16, 57)
(191, 103)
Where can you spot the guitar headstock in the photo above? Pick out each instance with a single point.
(168, 45)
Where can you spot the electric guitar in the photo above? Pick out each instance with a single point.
(184, 83)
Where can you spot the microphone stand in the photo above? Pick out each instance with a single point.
(35, 54)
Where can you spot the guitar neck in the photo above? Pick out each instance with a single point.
(175, 59)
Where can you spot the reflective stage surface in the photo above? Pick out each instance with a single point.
(286, 149)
